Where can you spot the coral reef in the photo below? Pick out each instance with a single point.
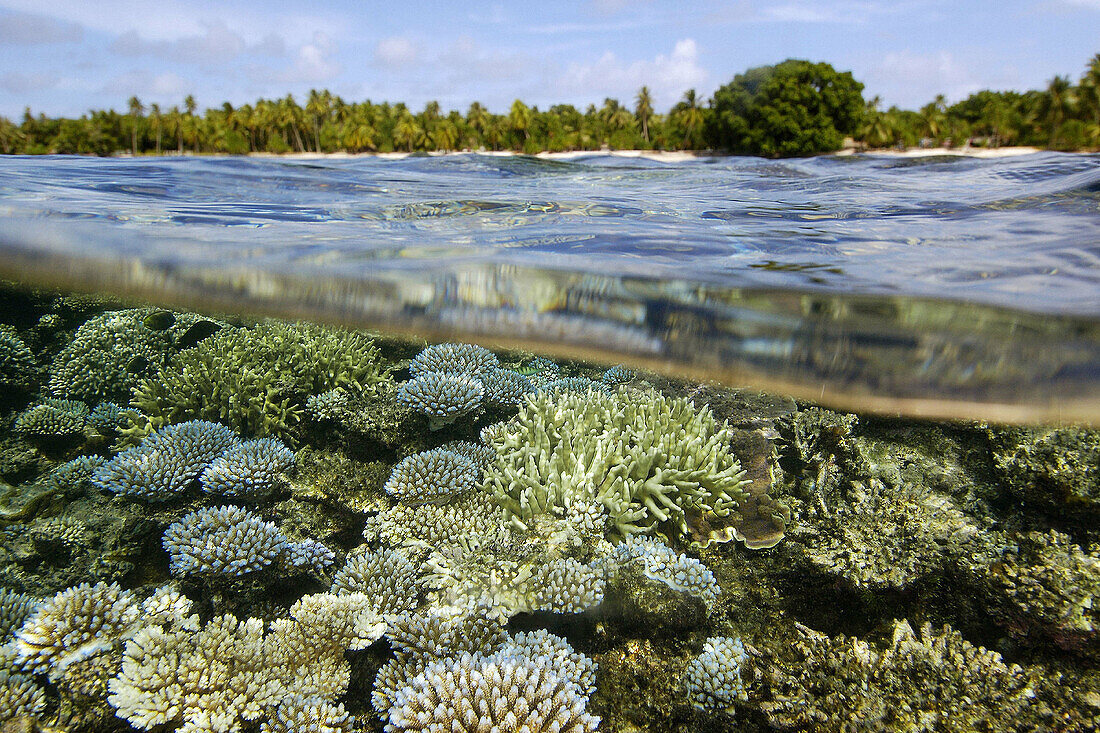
(452, 358)
(388, 576)
(17, 364)
(471, 519)
(110, 353)
(921, 682)
(253, 468)
(507, 690)
(224, 540)
(434, 476)
(308, 554)
(76, 624)
(166, 462)
(52, 417)
(660, 562)
(256, 380)
(652, 463)
(442, 397)
(712, 678)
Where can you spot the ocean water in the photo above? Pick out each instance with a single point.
(945, 286)
(805, 445)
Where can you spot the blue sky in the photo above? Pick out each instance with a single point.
(68, 56)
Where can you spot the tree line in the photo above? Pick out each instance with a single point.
(792, 108)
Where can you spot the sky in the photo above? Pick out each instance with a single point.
(65, 57)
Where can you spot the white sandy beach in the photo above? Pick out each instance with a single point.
(669, 156)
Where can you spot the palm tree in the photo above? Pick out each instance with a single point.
(445, 135)
(689, 116)
(154, 115)
(1089, 92)
(643, 109)
(406, 132)
(519, 119)
(1056, 105)
(934, 117)
(136, 110)
(478, 119)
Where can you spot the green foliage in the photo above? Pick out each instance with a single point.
(255, 380)
(793, 108)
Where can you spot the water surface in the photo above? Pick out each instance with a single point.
(946, 286)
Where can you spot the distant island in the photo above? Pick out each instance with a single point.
(790, 109)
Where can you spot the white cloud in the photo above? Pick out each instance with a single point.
(395, 51)
(30, 28)
(21, 83)
(217, 44)
(144, 84)
(914, 79)
(314, 63)
(668, 76)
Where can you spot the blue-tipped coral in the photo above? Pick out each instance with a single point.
(657, 561)
(225, 540)
(166, 462)
(617, 375)
(387, 576)
(505, 387)
(251, 468)
(17, 365)
(442, 397)
(53, 417)
(453, 359)
(713, 678)
(434, 476)
(308, 554)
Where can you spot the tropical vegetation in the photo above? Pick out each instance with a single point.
(792, 108)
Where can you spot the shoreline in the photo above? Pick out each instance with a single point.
(666, 156)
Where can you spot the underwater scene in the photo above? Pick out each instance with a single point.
(476, 443)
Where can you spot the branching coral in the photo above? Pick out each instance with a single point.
(52, 417)
(652, 463)
(387, 576)
(712, 679)
(166, 462)
(76, 624)
(453, 359)
(257, 380)
(434, 476)
(253, 468)
(224, 540)
(17, 364)
(660, 562)
(442, 397)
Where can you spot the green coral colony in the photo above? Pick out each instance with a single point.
(214, 524)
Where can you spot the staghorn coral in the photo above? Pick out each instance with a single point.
(473, 692)
(388, 576)
(297, 714)
(224, 540)
(253, 468)
(433, 476)
(652, 463)
(442, 397)
(513, 583)
(17, 364)
(52, 417)
(482, 455)
(453, 359)
(15, 608)
(472, 519)
(76, 624)
(712, 678)
(74, 473)
(257, 380)
(308, 554)
(921, 682)
(110, 353)
(657, 561)
(166, 462)
(106, 417)
(19, 695)
(212, 678)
